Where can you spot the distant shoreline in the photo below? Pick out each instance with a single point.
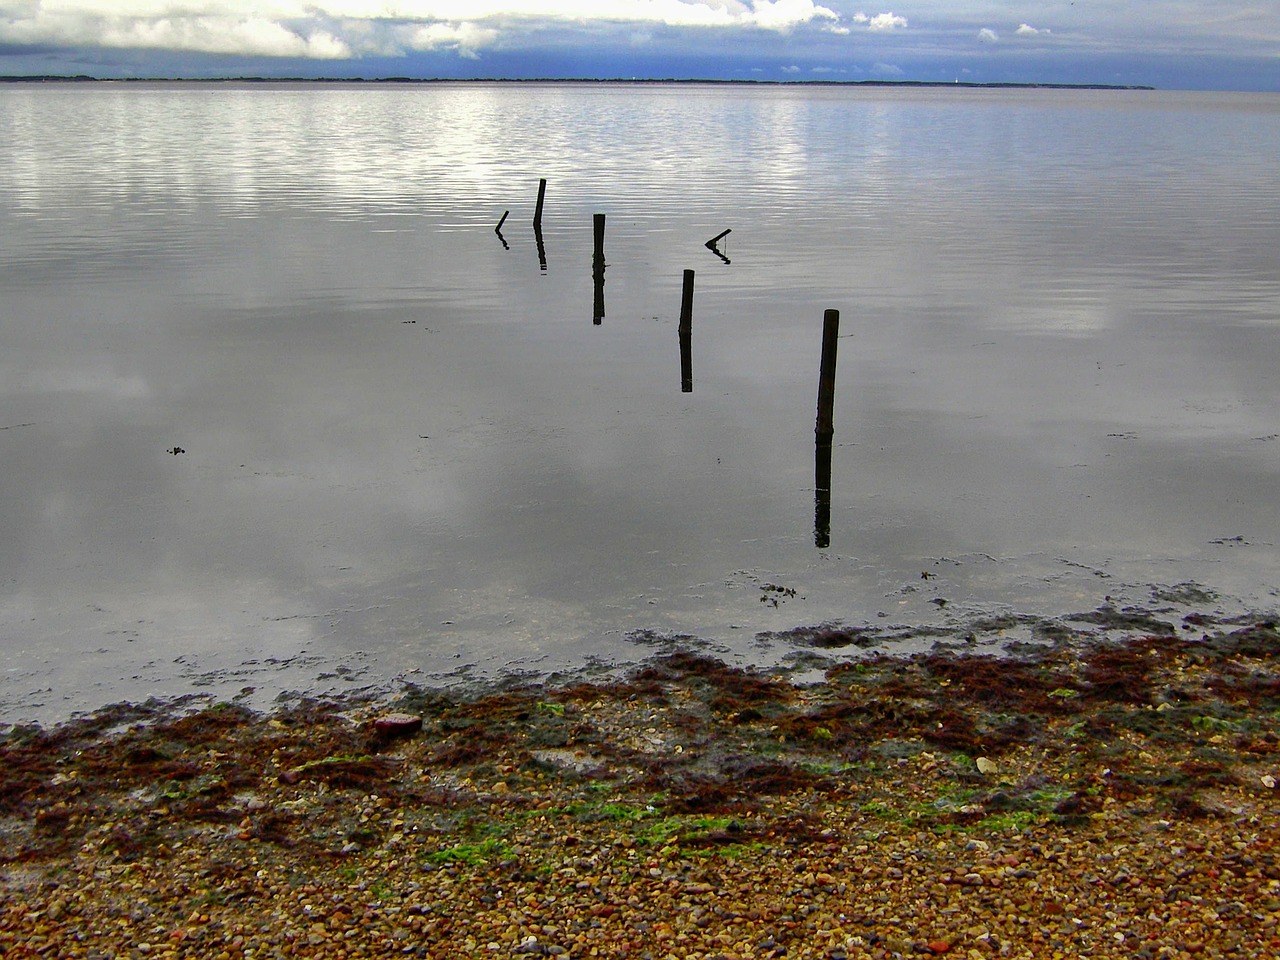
(580, 80)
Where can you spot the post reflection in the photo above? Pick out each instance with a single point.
(822, 495)
(714, 245)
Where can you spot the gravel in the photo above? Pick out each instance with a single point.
(1115, 801)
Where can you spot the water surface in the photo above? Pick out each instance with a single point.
(407, 449)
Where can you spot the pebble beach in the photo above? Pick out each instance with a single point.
(1085, 800)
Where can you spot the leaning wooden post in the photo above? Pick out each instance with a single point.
(598, 220)
(537, 210)
(825, 429)
(686, 334)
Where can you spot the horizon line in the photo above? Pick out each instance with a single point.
(1031, 84)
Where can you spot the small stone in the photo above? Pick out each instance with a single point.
(397, 724)
(986, 766)
(1269, 781)
(938, 946)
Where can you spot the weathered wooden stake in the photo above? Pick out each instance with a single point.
(825, 428)
(686, 334)
(537, 210)
(711, 244)
(505, 214)
(686, 301)
(597, 269)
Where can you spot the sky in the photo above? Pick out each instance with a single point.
(1178, 44)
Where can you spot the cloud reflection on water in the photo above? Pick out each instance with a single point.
(409, 445)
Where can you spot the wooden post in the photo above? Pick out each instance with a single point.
(686, 301)
(825, 428)
(597, 269)
(686, 334)
(537, 210)
(498, 228)
(711, 244)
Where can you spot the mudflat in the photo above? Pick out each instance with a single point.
(1114, 799)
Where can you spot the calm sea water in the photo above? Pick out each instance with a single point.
(408, 450)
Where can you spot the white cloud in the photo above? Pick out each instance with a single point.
(330, 29)
(465, 38)
(52, 23)
(785, 14)
(1026, 30)
(987, 35)
(791, 69)
(887, 21)
(886, 70)
(880, 22)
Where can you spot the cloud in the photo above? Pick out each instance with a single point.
(791, 69)
(67, 24)
(465, 38)
(785, 14)
(887, 21)
(881, 21)
(1236, 40)
(343, 29)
